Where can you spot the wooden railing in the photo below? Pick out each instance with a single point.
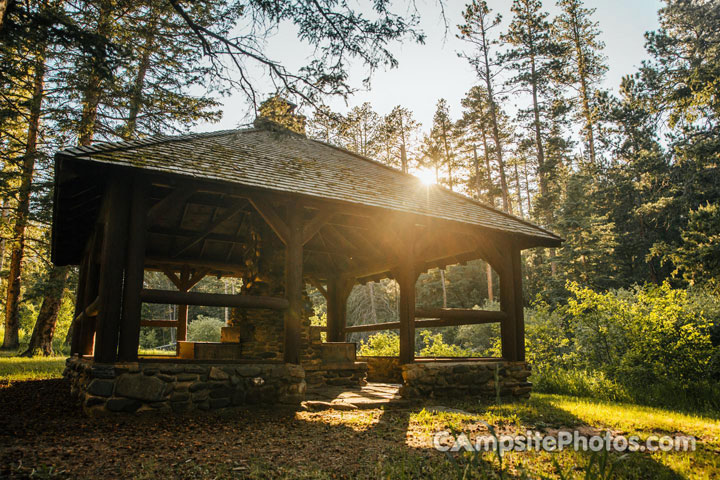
(438, 317)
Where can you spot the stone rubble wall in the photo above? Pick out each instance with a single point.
(383, 369)
(342, 375)
(155, 386)
(466, 378)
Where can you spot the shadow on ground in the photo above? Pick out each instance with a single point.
(43, 431)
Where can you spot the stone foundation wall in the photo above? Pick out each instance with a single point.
(341, 375)
(383, 369)
(155, 386)
(466, 378)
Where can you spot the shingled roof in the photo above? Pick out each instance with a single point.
(287, 162)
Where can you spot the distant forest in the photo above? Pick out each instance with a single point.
(629, 180)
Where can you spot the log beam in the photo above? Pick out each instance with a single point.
(460, 314)
(177, 197)
(313, 226)
(373, 327)
(231, 211)
(170, 297)
(272, 218)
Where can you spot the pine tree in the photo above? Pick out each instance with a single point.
(478, 30)
(324, 125)
(432, 157)
(359, 131)
(476, 125)
(37, 46)
(531, 56)
(585, 65)
(400, 130)
(443, 133)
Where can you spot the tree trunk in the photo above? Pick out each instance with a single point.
(403, 148)
(519, 191)
(444, 288)
(448, 158)
(490, 194)
(137, 92)
(542, 174)
(478, 183)
(4, 215)
(11, 339)
(584, 90)
(488, 275)
(373, 309)
(3, 10)
(44, 330)
(4, 218)
(542, 179)
(491, 199)
(494, 120)
(93, 89)
(527, 188)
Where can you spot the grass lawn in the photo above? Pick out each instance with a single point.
(14, 368)
(43, 433)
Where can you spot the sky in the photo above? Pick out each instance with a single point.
(432, 71)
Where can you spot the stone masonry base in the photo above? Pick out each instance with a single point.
(158, 386)
(482, 378)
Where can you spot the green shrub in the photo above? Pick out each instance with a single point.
(650, 344)
(648, 334)
(383, 344)
(434, 346)
(205, 329)
(579, 383)
(387, 344)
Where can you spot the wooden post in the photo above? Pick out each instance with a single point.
(86, 341)
(80, 302)
(508, 304)
(182, 318)
(112, 261)
(519, 307)
(134, 271)
(338, 290)
(406, 278)
(293, 283)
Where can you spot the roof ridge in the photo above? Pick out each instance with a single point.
(452, 192)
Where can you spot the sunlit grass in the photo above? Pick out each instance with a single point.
(15, 368)
(546, 413)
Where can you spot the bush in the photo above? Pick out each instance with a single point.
(383, 344)
(387, 344)
(649, 344)
(434, 346)
(205, 329)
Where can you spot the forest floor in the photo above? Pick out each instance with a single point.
(43, 434)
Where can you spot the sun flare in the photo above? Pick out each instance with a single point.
(426, 177)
